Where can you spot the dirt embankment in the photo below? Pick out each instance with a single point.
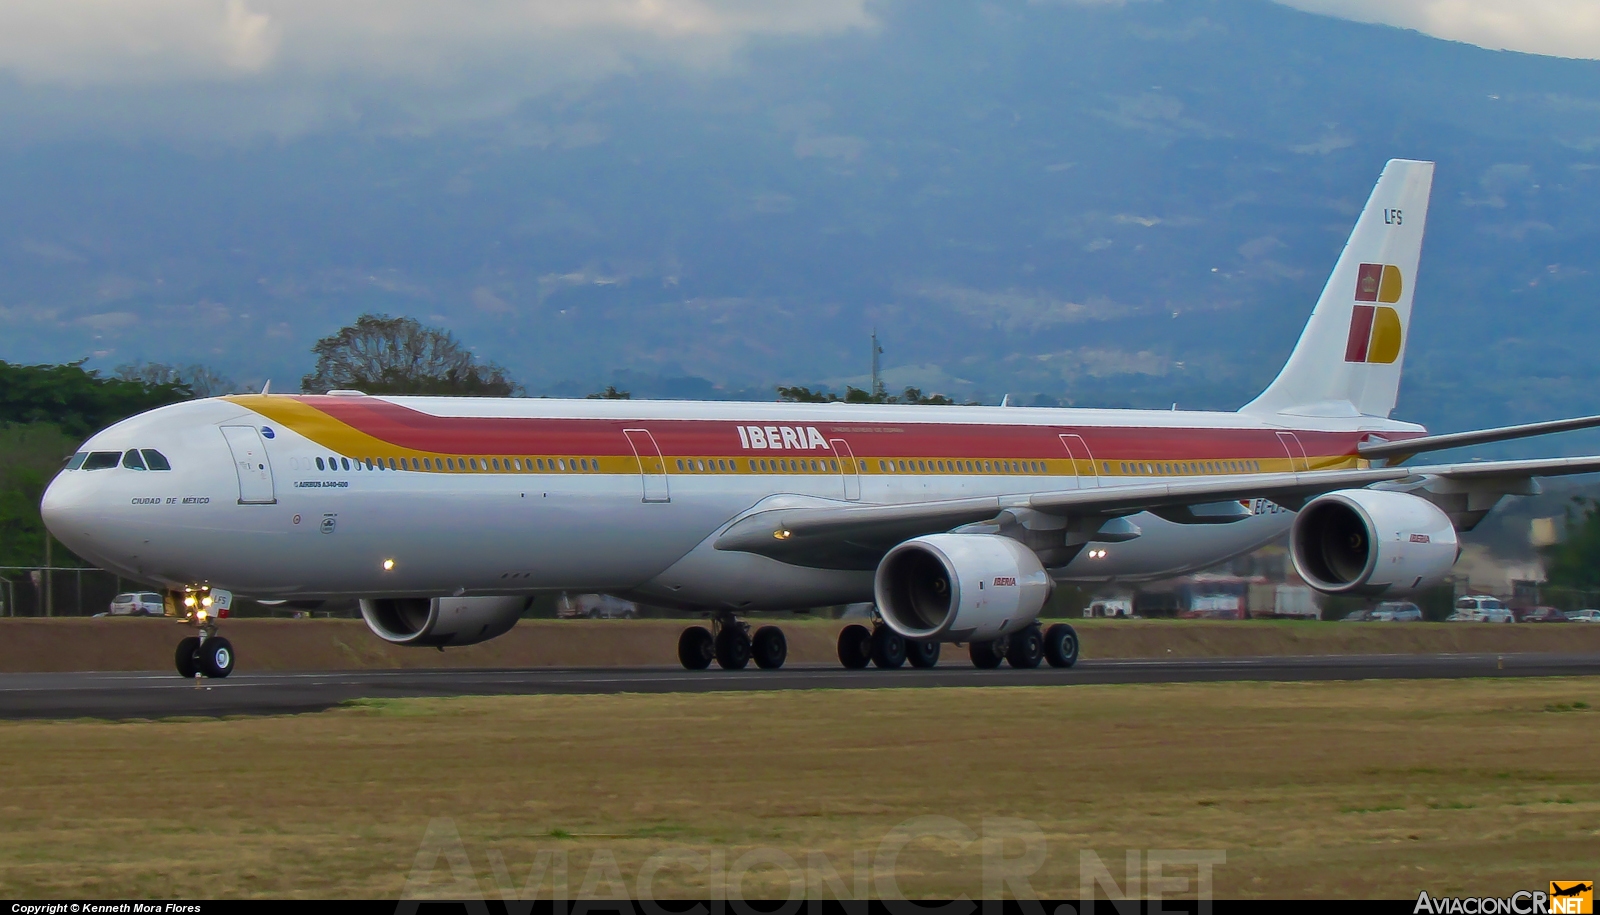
(141, 644)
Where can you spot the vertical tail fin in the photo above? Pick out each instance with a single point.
(1349, 356)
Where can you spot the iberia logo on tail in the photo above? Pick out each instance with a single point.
(1375, 331)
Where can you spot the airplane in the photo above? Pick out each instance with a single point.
(444, 516)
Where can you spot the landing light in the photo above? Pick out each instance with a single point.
(388, 565)
(188, 601)
(1097, 554)
(200, 615)
(782, 535)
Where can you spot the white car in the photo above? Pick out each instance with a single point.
(1396, 611)
(1584, 616)
(1480, 608)
(138, 603)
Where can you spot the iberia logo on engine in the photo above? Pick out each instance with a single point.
(1005, 582)
(1375, 330)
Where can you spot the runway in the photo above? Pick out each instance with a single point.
(162, 695)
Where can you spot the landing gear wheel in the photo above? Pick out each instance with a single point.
(855, 647)
(986, 655)
(1025, 648)
(769, 647)
(733, 648)
(215, 657)
(184, 659)
(888, 648)
(922, 654)
(695, 648)
(1061, 645)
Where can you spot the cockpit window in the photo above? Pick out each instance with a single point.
(154, 459)
(132, 460)
(101, 460)
(76, 461)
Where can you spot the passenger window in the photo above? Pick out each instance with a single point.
(541, 463)
(320, 465)
(132, 461)
(345, 463)
(76, 461)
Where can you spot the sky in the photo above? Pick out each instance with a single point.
(230, 68)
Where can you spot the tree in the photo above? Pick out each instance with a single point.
(857, 395)
(30, 456)
(1575, 561)
(200, 380)
(610, 393)
(77, 401)
(383, 355)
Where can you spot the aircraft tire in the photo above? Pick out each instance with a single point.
(923, 654)
(1025, 648)
(733, 648)
(184, 658)
(986, 655)
(1061, 645)
(215, 657)
(855, 647)
(695, 648)
(888, 648)
(769, 648)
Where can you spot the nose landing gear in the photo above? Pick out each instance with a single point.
(207, 653)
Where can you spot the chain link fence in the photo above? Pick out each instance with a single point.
(41, 591)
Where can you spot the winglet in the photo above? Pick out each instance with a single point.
(266, 388)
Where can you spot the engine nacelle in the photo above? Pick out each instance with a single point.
(440, 621)
(960, 587)
(1364, 541)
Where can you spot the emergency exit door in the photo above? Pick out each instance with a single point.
(652, 466)
(250, 461)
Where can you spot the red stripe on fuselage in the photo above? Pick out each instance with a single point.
(472, 435)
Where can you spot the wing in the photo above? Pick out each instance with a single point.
(857, 536)
(1397, 452)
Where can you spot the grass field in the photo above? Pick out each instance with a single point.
(1309, 789)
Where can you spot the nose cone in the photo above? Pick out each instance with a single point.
(67, 515)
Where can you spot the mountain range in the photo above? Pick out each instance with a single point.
(1126, 204)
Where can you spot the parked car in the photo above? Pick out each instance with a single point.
(1480, 608)
(595, 607)
(1584, 616)
(138, 603)
(1356, 616)
(1541, 615)
(1396, 611)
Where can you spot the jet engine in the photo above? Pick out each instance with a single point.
(440, 621)
(1364, 541)
(960, 587)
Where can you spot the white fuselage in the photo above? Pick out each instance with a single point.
(621, 497)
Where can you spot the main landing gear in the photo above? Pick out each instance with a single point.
(1024, 650)
(884, 648)
(730, 643)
